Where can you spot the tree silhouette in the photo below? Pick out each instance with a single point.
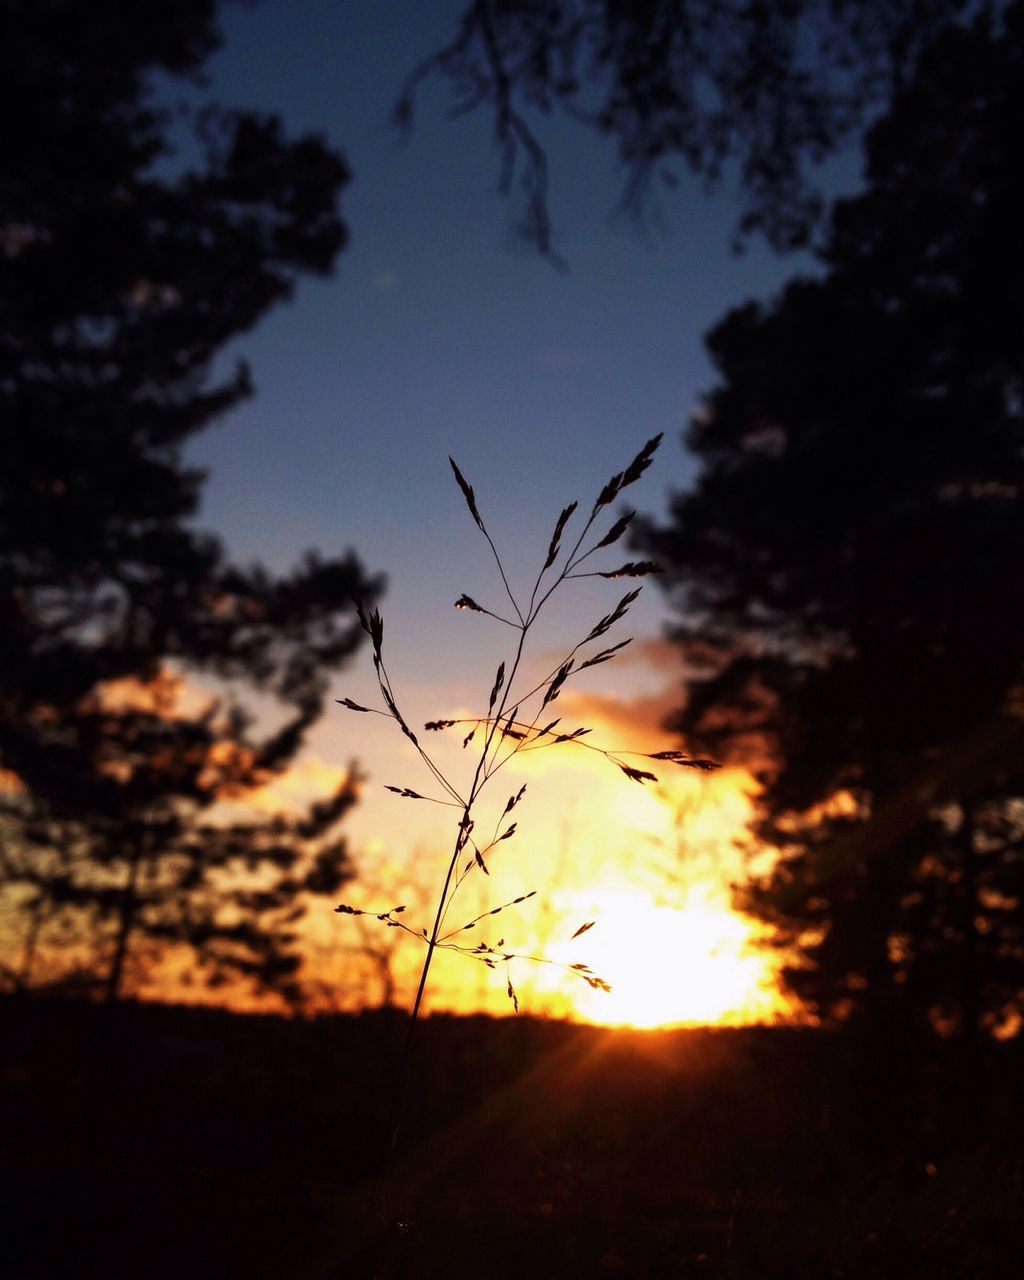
(848, 565)
(123, 273)
(769, 87)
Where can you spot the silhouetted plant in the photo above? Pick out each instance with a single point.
(516, 721)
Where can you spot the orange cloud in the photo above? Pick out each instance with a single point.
(290, 793)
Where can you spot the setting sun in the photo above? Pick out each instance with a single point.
(670, 966)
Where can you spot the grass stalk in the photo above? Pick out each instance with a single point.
(512, 721)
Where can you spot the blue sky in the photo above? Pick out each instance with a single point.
(440, 333)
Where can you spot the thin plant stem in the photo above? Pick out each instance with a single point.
(502, 721)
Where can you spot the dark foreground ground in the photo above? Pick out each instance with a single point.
(155, 1142)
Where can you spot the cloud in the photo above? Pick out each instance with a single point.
(634, 721)
(289, 794)
(654, 653)
(631, 724)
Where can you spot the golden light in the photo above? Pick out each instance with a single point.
(652, 865)
(669, 966)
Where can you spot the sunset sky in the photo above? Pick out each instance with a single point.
(375, 523)
(440, 333)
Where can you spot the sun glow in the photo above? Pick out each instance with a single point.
(669, 966)
(653, 866)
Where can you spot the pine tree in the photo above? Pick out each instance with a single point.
(130, 647)
(848, 566)
(764, 90)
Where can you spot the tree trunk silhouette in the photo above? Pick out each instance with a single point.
(970, 1006)
(28, 955)
(125, 924)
